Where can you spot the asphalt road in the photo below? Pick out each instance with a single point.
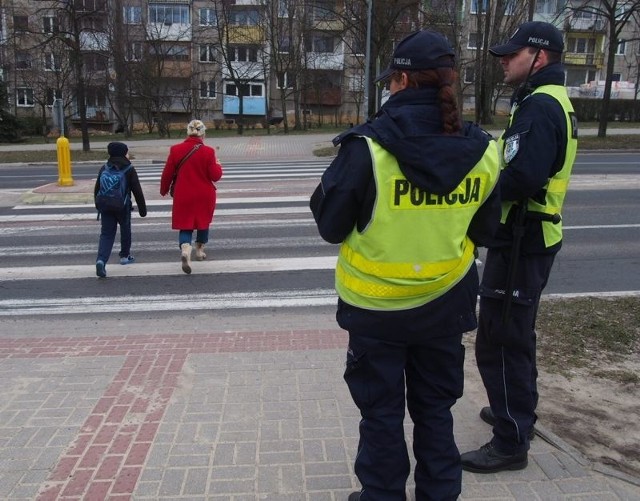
(267, 263)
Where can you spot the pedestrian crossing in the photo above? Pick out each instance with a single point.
(251, 172)
(264, 252)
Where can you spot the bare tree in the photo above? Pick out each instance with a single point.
(285, 41)
(617, 14)
(161, 75)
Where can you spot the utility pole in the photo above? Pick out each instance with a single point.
(367, 61)
(532, 9)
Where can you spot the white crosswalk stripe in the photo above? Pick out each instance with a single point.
(278, 229)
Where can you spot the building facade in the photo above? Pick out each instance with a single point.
(150, 63)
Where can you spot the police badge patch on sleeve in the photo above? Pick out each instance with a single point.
(511, 147)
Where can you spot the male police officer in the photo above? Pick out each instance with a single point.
(539, 148)
(409, 196)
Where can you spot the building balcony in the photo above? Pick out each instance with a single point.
(245, 70)
(582, 59)
(169, 32)
(336, 25)
(93, 41)
(175, 69)
(251, 105)
(325, 60)
(328, 96)
(245, 35)
(579, 24)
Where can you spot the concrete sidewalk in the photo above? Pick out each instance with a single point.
(222, 416)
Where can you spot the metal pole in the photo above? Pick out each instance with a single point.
(367, 62)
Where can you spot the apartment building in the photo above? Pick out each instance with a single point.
(156, 62)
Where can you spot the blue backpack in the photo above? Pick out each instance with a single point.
(113, 194)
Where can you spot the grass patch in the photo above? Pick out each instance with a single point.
(52, 156)
(611, 142)
(582, 332)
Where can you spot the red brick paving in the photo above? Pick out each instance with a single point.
(106, 459)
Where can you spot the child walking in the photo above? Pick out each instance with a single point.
(116, 181)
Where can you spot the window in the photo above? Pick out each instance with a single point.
(169, 14)
(52, 62)
(208, 17)
(96, 98)
(245, 89)
(581, 45)
(475, 41)
(243, 53)
(359, 46)
(244, 17)
(284, 43)
(24, 97)
(548, 7)
(319, 43)
(50, 25)
(621, 49)
(208, 89)
(134, 51)
(469, 74)
(356, 83)
(23, 60)
(94, 61)
(52, 95)
(207, 53)
(132, 14)
(173, 52)
(283, 8)
(323, 10)
(90, 5)
(474, 7)
(615, 77)
(285, 81)
(20, 23)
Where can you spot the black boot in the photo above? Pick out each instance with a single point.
(486, 459)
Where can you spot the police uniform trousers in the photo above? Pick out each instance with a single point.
(506, 351)
(417, 353)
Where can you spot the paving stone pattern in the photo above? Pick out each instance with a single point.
(226, 416)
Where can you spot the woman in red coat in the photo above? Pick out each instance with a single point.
(196, 169)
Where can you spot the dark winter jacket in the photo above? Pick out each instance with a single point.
(540, 123)
(133, 183)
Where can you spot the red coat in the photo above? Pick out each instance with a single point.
(194, 197)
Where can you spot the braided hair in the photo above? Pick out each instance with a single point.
(443, 79)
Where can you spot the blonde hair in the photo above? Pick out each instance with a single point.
(196, 128)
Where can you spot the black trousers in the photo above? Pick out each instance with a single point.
(506, 351)
(413, 358)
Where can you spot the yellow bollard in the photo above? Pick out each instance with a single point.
(64, 162)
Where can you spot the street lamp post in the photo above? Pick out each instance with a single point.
(367, 62)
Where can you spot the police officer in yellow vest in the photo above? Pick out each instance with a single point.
(409, 196)
(539, 148)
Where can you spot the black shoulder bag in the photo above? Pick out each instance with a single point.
(175, 173)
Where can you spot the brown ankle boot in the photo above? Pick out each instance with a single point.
(200, 255)
(185, 257)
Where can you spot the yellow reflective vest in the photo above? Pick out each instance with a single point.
(556, 187)
(415, 247)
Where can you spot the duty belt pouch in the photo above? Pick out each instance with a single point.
(494, 280)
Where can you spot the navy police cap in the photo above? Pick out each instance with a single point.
(535, 34)
(421, 50)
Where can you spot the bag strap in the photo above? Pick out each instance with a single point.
(184, 159)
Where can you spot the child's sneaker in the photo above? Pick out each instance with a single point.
(100, 269)
(127, 260)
